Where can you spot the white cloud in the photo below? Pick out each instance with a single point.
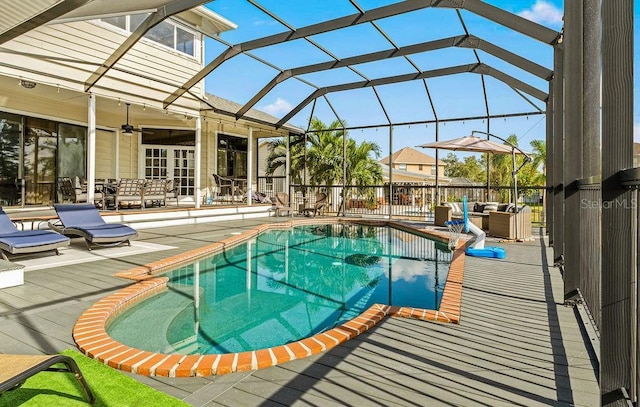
(636, 132)
(543, 12)
(279, 107)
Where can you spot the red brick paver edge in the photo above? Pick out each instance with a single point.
(91, 336)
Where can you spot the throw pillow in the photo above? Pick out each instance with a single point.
(490, 207)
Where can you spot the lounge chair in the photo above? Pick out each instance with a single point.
(84, 220)
(318, 206)
(282, 203)
(14, 241)
(16, 369)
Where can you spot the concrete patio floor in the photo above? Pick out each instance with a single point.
(516, 343)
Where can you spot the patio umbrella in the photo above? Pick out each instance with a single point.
(482, 145)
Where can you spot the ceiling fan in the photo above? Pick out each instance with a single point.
(128, 129)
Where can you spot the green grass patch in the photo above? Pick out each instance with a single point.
(110, 387)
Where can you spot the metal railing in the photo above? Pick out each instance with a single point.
(401, 200)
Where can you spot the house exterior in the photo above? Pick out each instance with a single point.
(63, 115)
(413, 161)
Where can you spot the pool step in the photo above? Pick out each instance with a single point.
(187, 216)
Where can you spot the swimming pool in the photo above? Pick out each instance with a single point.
(283, 286)
(178, 327)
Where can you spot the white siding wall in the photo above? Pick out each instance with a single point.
(105, 154)
(58, 54)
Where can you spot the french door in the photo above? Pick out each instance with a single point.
(171, 162)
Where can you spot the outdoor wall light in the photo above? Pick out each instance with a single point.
(27, 84)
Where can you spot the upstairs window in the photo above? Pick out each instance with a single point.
(166, 32)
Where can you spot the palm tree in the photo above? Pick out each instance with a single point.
(324, 152)
(502, 168)
(322, 158)
(535, 176)
(277, 157)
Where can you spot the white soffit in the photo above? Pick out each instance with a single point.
(207, 21)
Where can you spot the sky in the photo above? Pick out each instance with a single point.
(455, 96)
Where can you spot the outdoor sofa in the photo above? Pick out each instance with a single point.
(497, 219)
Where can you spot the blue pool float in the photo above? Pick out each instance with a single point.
(490, 252)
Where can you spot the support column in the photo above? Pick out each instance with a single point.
(91, 148)
(438, 201)
(589, 187)
(390, 172)
(573, 64)
(558, 154)
(344, 170)
(548, 166)
(287, 176)
(250, 153)
(619, 225)
(198, 160)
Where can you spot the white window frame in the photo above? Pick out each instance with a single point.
(197, 37)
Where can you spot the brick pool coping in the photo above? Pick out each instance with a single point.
(91, 337)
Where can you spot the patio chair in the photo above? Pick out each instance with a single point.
(73, 192)
(130, 191)
(224, 186)
(318, 206)
(173, 190)
(16, 369)
(282, 203)
(14, 241)
(155, 191)
(84, 220)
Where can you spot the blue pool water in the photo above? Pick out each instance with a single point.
(283, 286)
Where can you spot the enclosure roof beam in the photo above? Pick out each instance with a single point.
(61, 8)
(482, 69)
(307, 31)
(435, 121)
(504, 18)
(164, 12)
(526, 65)
(358, 59)
(465, 41)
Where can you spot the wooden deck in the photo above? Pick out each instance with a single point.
(516, 344)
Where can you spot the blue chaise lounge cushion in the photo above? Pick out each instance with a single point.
(85, 220)
(16, 241)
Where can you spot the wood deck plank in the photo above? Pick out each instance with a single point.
(516, 342)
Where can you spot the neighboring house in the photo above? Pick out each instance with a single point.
(63, 115)
(636, 154)
(411, 160)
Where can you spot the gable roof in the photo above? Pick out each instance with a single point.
(227, 107)
(408, 155)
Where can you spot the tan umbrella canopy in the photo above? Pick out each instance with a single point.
(474, 144)
(483, 145)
